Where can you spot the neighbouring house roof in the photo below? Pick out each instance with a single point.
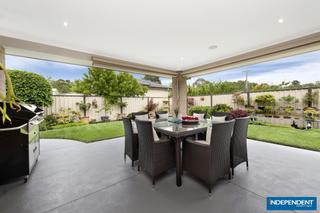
(151, 84)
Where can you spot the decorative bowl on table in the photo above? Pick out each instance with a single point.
(190, 120)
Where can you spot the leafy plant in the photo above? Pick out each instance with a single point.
(67, 116)
(288, 110)
(84, 107)
(200, 109)
(31, 88)
(238, 113)
(268, 110)
(9, 97)
(310, 113)
(220, 108)
(265, 100)
(288, 100)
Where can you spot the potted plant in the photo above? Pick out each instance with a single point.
(238, 113)
(151, 108)
(310, 114)
(107, 108)
(288, 110)
(268, 111)
(84, 107)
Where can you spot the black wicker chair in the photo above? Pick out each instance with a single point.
(133, 115)
(209, 162)
(154, 157)
(131, 147)
(159, 113)
(238, 151)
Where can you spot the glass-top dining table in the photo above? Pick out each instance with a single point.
(178, 132)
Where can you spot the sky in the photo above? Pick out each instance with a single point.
(304, 68)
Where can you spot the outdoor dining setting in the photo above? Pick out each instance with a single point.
(208, 149)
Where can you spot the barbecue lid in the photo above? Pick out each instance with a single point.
(26, 112)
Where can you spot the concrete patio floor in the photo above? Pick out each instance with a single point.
(77, 177)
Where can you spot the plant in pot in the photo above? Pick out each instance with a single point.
(107, 108)
(122, 105)
(151, 108)
(310, 114)
(268, 111)
(84, 107)
(237, 113)
(7, 98)
(288, 111)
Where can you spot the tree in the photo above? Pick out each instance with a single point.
(295, 84)
(63, 86)
(200, 82)
(154, 79)
(31, 88)
(108, 84)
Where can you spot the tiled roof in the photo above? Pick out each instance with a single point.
(152, 84)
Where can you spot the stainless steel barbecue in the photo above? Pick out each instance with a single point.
(20, 142)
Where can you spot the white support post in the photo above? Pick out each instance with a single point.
(179, 94)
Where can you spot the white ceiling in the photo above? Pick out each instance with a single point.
(160, 33)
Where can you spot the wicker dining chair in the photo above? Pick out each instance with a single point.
(155, 157)
(238, 150)
(131, 145)
(133, 115)
(158, 113)
(209, 161)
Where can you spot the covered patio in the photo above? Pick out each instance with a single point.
(78, 177)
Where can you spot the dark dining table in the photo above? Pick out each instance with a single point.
(179, 131)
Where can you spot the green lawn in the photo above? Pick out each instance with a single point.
(87, 133)
(307, 139)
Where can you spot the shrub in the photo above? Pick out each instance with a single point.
(310, 113)
(31, 88)
(265, 100)
(220, 108)
(288, 100)
(268, 109)
(238, 113)
(67, 116)
(288, 110)
(200, 109)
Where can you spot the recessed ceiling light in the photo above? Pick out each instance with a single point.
(65, 24)
(212, 47)
(280, 20)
